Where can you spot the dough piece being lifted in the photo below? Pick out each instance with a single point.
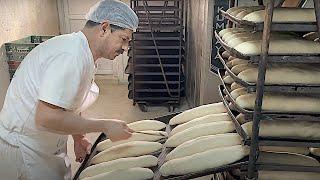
(122, 163)
(125, 174)
(145, 125)
(158, 135)
(196, 112)
(130, 149)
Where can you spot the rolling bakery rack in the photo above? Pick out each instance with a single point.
(257, 114)
(156, 54)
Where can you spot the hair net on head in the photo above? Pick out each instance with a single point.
(115, 12)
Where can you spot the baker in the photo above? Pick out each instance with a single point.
(50, 89)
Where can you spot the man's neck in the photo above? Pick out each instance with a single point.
(88, 33)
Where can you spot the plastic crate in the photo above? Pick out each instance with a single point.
(17, 50)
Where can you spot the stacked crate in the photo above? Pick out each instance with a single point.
(156, 54)
(17, 50)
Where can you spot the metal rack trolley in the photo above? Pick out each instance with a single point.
(257, 114)
(157, 54)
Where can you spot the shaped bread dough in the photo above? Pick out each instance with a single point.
(284, 15)
(214, 108)
(288, 159)
(235, 86)
(281, 103)
(280, 47)
(238, 92)
(158, 135)
(204, 143)
(228, 30)
(241, 118)
(288, 175)
(235, 62)
(122, 163)
(315, 151)
(290, 74)
(204, 160)
(145, 125)
(125, 174)
(129, 149)
(296, 150)
(228, 80)
(241, 67)
(201, 120)
(198, 131)
(286, 129)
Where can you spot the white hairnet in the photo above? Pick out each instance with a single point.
(115, 12)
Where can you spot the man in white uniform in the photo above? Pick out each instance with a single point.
(43, 100)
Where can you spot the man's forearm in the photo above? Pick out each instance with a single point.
(59, 121)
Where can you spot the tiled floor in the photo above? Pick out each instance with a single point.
(113, 102)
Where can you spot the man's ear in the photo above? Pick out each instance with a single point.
(105, 28)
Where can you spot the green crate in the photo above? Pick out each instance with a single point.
(17, 50)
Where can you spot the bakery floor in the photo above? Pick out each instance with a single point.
(113, 103)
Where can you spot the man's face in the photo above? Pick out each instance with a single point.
(114, 43)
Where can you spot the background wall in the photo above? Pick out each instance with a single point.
(21, 18)
(202, 85)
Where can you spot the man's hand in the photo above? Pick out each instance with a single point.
(82, 147)
(117, 130)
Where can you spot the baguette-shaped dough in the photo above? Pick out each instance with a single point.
(204, 143)
(145, 125)
(228, 80)
(315, 151)
(290, 74)
(196, 112)
(287, 159)
(135, 137)
(122, 163)
(129, 149)
(228, 30)
(241, 118)
(238, 92)
(204, 160)
(241, 67)
(281, 103)
(284, 15)
(125, 174)
(296, 150)
(198, 131)
(288, 175)
(235, 86)
(225, 55)
(286, 129)
(280, 47)
(236, 61)
(201, 120)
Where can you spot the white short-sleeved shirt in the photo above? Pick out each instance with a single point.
(60, 72)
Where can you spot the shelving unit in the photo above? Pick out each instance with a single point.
(157, 54)
(257, 114)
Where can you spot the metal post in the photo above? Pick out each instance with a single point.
(317, 12)
(259, 92)
(231, 4)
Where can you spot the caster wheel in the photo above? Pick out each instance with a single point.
(143, 107)
(171, 108)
